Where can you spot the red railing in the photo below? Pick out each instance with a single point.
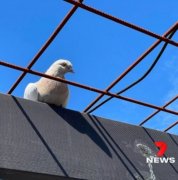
(166, 38)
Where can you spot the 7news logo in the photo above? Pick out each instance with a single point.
(159, 158)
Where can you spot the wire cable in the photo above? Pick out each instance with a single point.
(141, 78)
(133, 65)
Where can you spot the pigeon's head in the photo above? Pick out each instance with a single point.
(60, 67)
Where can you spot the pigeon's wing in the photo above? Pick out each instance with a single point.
(31, 92)
(64, 104)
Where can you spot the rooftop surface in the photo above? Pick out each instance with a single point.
(38, 140)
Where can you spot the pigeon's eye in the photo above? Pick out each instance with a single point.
(64, 64)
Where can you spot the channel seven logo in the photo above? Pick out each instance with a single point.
(159, 156)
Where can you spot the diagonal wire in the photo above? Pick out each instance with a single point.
(141, 78)
(45, 46)
(150, 49)
(157, 111)
(108, 16)
(171, 126)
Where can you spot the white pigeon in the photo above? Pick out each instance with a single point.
(50, 91)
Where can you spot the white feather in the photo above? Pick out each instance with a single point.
(31, 92)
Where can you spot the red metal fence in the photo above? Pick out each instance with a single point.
(166, 38)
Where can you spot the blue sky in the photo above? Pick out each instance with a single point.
(99, 49)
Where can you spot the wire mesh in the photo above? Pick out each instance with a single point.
(166, 38)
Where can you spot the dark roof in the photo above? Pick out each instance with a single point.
(37, 139)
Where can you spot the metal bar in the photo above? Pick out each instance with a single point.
(171, 126)
(151, 48)
(44, 47)
(139, 79)
(87, 87)
(95, 11)
(156, 112)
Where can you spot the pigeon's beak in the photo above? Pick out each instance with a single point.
(71, 70)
